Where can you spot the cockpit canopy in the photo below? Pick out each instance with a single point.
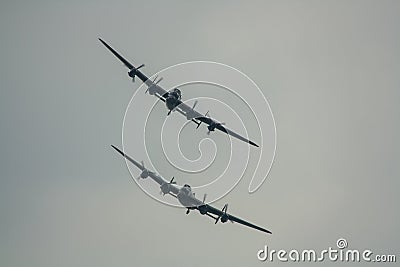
(187, 186)
(177, 93)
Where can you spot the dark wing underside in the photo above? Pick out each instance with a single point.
(220, 127)
(126, 62)
(206, 120)
(232, 133)
(157, 178)
(232, 218)
(238, 220)
(134, 162)
(181, 107)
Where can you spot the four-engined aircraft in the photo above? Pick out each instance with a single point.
(187, 198)
(173, 100)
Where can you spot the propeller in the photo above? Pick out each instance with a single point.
(224, 209)
(190, 113)
(195, 104)
(133, 71)
(145, 172)
(203, 208)
(198, 125)
(159, 80)
(208, 115)
(165, 187)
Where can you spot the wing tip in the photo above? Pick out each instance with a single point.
(118, 150)
(253, 144)
(101, 40)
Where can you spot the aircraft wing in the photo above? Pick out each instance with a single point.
(220, 127)
(232, 218)
(160, 92)
(236, 135)
(123, 60)
(158, 179)
(195, 115)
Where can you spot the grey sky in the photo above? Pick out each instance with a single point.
(330, 70)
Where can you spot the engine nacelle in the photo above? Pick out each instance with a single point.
(165, 188)
(202, 209)
(132, 73)
(212, 126)
(144, 174)
(224, 218)
(152, 89)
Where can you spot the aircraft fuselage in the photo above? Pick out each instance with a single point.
(172, 100)
(186, 197)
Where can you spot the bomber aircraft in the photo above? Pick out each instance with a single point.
(172, 99)
(187, 198)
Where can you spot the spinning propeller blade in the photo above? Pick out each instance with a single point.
(224, 209)
(194, 104)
